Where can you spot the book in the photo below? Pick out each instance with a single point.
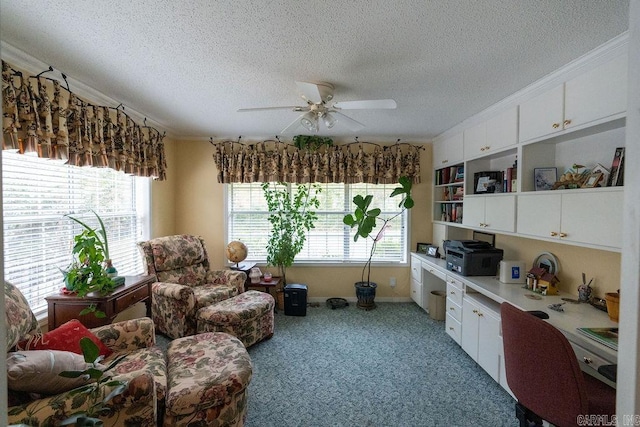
(606, 336)
(616, 174)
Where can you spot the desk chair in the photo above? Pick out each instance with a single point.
(544, 375)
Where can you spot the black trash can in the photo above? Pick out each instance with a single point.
(295, 300)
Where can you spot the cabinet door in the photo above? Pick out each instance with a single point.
(542, 115)
(593, 217)
(489, 342)
(499, 213)
(473, 212)
(596, 94)
(475, 141)
(539, 214)
(502, 130)
(448, 152)
(469, 336)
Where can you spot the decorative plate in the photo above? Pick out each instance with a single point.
(547, 261)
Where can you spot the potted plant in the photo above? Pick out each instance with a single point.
(88, 272)
(364, 220)
(291, 217)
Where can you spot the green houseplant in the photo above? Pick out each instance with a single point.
(311, 142)
(364, 220)
(88, 271)
(291, 217)
(95, 392)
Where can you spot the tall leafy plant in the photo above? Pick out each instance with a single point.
(291, 216)
(364, 219)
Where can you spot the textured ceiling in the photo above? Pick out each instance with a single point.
(189, 65)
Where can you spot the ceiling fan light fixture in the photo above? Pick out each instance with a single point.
(329, 120)
(310, 122)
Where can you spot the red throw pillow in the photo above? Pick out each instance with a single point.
(66, 337)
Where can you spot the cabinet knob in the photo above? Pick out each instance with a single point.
(451, 328)
(587, 360)
(487, 147)
(553, 234)
(445, 161)
(480, 314)
(482, 149)
(567, 122)
(452, 309)
(452, 292)
(475, 311)
(563, 235)
(555, 125)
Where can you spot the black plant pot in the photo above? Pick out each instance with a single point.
(366, 294)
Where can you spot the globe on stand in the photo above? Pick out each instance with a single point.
(236, 252)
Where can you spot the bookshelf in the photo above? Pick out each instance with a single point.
(449, 194)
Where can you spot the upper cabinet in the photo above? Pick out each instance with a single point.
(448, 151)
(594, 95)
(491, 136)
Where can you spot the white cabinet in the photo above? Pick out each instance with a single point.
(448, 151)
(492, 135)
(588, 98)
(598, 93)
(481, 335)
(416, 280)
(495, 212)
(592, 217)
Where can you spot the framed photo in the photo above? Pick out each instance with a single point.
(422, 248)
(545, 178)
(592, 180)
(432, 251)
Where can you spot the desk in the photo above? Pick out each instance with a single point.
(63, 308)
(490, 291)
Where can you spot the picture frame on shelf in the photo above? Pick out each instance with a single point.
(545, 178)
(422, 248)
(616, 177)
(593, 180)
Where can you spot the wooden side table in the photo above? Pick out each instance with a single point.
(63, 308)
(267, 286)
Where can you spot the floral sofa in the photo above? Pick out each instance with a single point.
(185, 282)
(143, 367)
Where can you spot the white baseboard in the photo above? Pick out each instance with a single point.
(354, 299)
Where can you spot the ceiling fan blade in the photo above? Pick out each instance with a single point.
(353, 125)
(378, 104)
(310, 91)
(292, 108)
(292, 126)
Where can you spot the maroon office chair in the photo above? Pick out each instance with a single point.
(544, 375)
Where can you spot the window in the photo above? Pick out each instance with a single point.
(330, 241)
(37, 193)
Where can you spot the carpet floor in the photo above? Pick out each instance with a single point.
(392, 366)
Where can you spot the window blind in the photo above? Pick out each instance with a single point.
(38, 238)
(331, 240)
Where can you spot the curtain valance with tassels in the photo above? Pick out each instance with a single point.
(41, 116)
(270, 161)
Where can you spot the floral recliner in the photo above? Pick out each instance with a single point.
(144, 367)
(185, 282)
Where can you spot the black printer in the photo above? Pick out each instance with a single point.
(472, 257)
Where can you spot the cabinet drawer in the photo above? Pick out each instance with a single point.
(589, 362)
(416, 292)
(454, 310)
(454, 329)
(416, 269)
(454, 293)
(129, 299)
(439, 274)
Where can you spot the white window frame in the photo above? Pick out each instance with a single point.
(349, 233)
(22, 279)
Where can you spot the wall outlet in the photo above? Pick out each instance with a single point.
(392, 282)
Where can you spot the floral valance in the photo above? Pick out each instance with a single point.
(270, 161)
(42, 117)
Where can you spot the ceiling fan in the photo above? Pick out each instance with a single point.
(318, 109)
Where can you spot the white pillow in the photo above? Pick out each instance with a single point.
(36, 371)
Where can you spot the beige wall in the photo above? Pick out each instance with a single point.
(192, 201)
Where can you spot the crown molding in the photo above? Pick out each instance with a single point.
(28, 63)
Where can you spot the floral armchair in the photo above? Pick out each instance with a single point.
(143, 368)
(185, 282)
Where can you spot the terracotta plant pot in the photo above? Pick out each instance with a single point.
(613, 305)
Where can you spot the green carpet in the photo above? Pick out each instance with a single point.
(392, 366)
